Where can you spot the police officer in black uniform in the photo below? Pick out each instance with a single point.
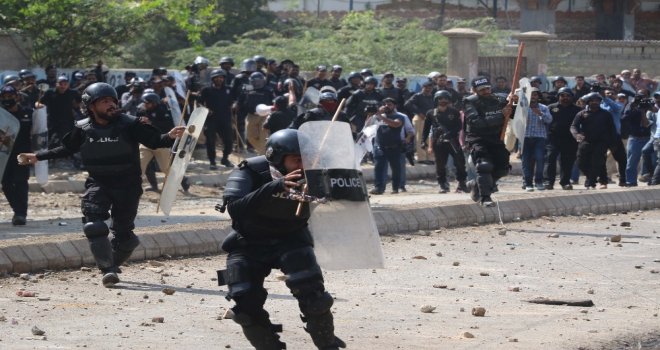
(226, 64)
(354, 84)
(268, 234)
(445, 122)
(325, 111)
(108, 143)
(560, 141)
(217, 98)
(593, 129)
(15, 177)
(484, 119)
(241, 86)
(356, 104)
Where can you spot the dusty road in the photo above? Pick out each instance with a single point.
(452, 270)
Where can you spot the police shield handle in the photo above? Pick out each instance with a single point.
(514, 81)
(334, 118)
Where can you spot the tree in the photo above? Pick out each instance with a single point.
(76, 32)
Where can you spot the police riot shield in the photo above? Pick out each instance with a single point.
(344, 231)
(522, 110)
(39, 138)
(9, 127)
(175, 109)
(309, 100)
(182, 150)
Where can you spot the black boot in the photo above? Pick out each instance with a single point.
(122, 250)
(322, 330)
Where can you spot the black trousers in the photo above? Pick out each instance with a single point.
(442, 151)
(493, 153)
(591, 160)
(566, 151)
(15, 186)
(619, 154)
(118, 204)
(222, 128)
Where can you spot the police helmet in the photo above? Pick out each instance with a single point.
(441, 94)
(150, 97)
(354, 75)
(296, 84)
(160, 71)
(427, 83)
(218, 73)
(26, 73)
(560, 78)
(370, 80)
(248, 65)
(78, 75)
(10, 78)
(565, 90)
(8, 90)
(327, 96)
(130, 74)
(535, 79)
(136, 81)
(280, 144)
(281, 102)
(257, 80)
(227, 59)
(97, 91)
(656, 94)
(591, 96)
(201, 60)
(367, 72)
(260, 59)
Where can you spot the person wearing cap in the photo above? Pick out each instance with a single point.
(336, 80)
(60, 103)
(217, 98)
(484, 119)
(594, 131)
(130, 100)
(418, 105)
(561, 143)
(108, 142)
(321, 78)
(123, 88)
(15, 178)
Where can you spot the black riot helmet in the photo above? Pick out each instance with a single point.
(366, 72)
(328, 96)
(150, 97)
(260, 60)
(441, 94)
(248, 65)
(257, 80)
(370, 80)
(565, 90)
(227, 59)
(218, 73)
(280, 144)
(97, 91)
(354, 75)
(26, 73)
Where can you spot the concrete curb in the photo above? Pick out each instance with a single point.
(18, 257)
(419, 171)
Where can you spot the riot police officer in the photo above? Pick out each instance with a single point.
(484, 119)
(268, 234)
(356, 104)
(108, 142)
(325, 111)
(354, 82)
(217, 98)
(560, 141)
(15, 178)
(445, 122)
(241, 86)
(247, 109)
(226, 64)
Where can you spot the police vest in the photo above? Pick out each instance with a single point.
(108, 150)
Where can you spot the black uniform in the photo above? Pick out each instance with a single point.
(61, 114)
(599, 132)
(358, 102)
(483, 123)
(338, 83)
(218, 100)
(346, 92)
(560, 144)
(446, 127)
(279, 120)
(267, 234)
(241, 86)
(317, 114)
(395, 93)
(318, 83)
(111, 156)
(15, 178)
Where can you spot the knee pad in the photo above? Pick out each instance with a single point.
(96, 229)
(303, 272)
(484, 166)
(237, 277)
(316, 304)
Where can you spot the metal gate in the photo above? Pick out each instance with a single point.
(495, 66)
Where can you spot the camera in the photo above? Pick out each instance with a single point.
(643, 103)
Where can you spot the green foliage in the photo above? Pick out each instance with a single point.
(356, 41)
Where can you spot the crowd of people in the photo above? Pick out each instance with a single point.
(117, 131)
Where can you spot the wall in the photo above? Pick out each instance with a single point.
(571, 57)
(14, 53)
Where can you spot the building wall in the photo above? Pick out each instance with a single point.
(14, 54)
(571, 57)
